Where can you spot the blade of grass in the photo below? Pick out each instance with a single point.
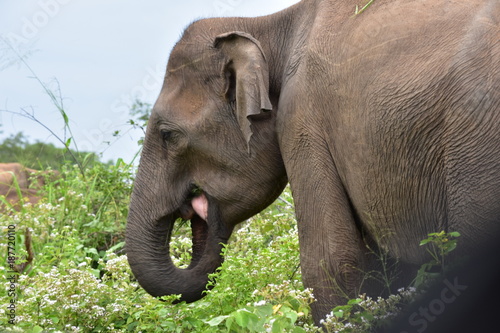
(359, 11)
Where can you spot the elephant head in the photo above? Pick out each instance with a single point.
(210, 156)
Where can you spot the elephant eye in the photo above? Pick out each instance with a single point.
(166, 135)
(170, 137)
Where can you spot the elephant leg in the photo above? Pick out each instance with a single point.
(331, 247)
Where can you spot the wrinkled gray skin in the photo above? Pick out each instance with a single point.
(386, 125)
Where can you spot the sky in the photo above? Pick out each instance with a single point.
(95, 57)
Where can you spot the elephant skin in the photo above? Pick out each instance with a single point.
(386, 124)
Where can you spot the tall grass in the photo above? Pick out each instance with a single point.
(80, 280)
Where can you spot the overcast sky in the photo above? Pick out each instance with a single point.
(101, 55)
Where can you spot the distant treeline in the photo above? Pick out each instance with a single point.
(40, 155)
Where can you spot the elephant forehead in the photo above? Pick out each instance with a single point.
(198, 56)
(182, 64)
(181, 103)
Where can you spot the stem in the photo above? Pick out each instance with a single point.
(442, 260)
(26, 114)
(58, 102)
(357, 12)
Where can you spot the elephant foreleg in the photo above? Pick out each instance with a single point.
(332, 250)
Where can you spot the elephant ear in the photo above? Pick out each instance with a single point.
(248, 77)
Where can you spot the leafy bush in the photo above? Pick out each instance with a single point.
(80, 280)
(365, 314)
(439, 245)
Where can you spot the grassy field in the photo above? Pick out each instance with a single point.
(79, 279)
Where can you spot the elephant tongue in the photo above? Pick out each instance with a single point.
(200, 206)
(199, 228)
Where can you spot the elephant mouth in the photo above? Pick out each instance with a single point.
(195, 210)
(207, 228)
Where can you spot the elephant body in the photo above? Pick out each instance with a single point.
(15, 177)
(386, 125)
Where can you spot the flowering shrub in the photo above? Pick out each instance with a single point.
(363, 314)
(80, 280)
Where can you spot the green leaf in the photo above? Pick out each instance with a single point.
(194, 322)
(65, 117)
(420, 278)
(294, 304)
(425, 241)
(367, 316)
(37, 329)
(290, 314)
(279, 325)
(243, 317)
(229, 323)
(338, 314)
(450, 246)
(132, 326)
(96, 272)
(342, 310)
(216, 321)
(116, 247)
(264, 311)
(92, 250)
(354, 301)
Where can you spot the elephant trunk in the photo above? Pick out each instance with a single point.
(147, 245)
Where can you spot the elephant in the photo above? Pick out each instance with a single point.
(15, 176)
(386, 125)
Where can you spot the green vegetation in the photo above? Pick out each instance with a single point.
(364, 314)
(40, 155)
(80, 281)
(439, 245)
